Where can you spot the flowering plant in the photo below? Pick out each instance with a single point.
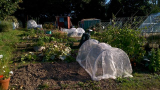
(56, 51)
(30, 57)
(4, 69)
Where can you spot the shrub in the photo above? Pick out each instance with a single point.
(59, 34)
(56, 51)
(39, 43)
(97, 27)
(5, 26)
(11, 19)
(28, 57)
(128, 40)
(70, 39)
(154, 58)
(49, 26)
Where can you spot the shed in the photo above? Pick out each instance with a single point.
(63, 22)
(87, 23)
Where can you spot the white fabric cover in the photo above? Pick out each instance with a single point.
(31, 24)
(73, 32)
(102, 61)
(39, 26)
(15, 25)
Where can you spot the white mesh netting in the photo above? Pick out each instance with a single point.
(31, 24)
(102, 61)
(73, 32)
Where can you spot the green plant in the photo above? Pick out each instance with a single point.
(154, 58)
(40, 42)
(4, 69)
(8, 7)
(126, 39)
(43, 87)
(121, 80)
(70, 39)
(56, 51)
(64, 86)
(97, 27)
(70, 59)
(28, 57)
(48, 26)
(47, 39)
(81, 84)
(59, 34)
(11, 19)
(5, 26)
(31, 32)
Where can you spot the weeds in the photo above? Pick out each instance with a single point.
(43, 87)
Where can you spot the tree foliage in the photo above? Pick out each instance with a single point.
(128, 8)
(81, 9)
(8, 7)
(78, 9)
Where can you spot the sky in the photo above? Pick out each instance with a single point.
(107, 1)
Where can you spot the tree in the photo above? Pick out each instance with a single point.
(128, 8)
(77, 9)
(89, 9)
(8, 7)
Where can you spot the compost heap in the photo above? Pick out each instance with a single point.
(74, 32)
(102, 61)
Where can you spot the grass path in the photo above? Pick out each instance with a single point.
(7, 42)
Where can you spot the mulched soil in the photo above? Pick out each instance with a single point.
(56, 75)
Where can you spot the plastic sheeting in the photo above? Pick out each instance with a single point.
(151, 24)
(31, 24)
(102, 61)
(73, 32)
(15, 25)
(39, 26)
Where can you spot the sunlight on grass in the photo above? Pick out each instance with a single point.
(148, 81)
(7, 41)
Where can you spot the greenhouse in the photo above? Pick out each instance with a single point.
(151, 24)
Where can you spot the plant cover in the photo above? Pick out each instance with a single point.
(102, 61)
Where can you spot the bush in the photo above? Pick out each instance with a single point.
(49, 26)
(154, 58)
(59, 34)
(56, 51)
(11, 19)
(126, 39)
(5, 26)
(70, 39)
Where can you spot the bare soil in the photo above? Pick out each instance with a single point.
(55, 76)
